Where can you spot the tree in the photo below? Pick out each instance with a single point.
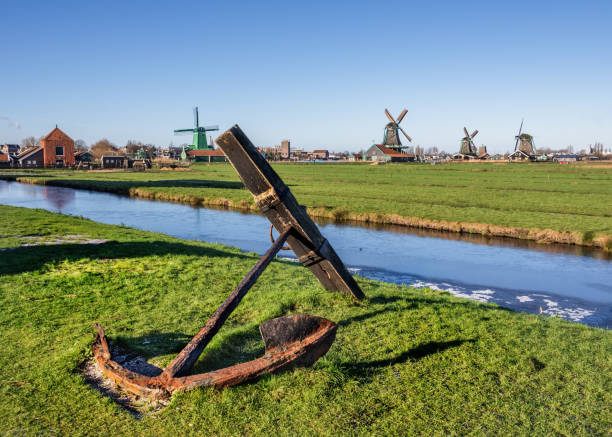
(30, 142)
(132, 147)
(80, 145)
(103, 147)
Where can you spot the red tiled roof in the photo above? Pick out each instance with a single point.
(4, 158)
(392, 153)
(216, 152)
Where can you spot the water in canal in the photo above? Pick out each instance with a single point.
(571, 282)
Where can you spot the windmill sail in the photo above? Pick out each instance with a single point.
(391, 138)
(467, 143)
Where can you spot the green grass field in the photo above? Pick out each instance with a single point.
(562, 198)
(404, 362)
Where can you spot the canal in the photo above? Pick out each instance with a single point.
(570, 282)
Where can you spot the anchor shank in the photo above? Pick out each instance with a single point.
(190, 353)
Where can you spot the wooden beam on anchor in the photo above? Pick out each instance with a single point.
(277, 203)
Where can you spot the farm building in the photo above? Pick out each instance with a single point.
(463, 157)
(206, 155)
(58, 149)
(32, 157)
(83, 156)
(566, 158)
(519, 155)
(382, 153)
(113, 161)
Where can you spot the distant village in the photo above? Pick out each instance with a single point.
(57, 149)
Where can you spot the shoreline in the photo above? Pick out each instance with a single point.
(537, 235)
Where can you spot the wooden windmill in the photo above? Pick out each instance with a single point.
(524, 142)
(199, 133)
(391, 138)
(467, 143)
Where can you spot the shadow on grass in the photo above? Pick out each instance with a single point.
(365, 369)
(30, 258)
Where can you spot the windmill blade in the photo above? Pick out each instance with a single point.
(516, 144)
(183, 130)
(389, 116)
(521, 128)
(405, 134)
(196, 119)
(401, 116)
(215, 127)
(467, 135)
(474, 133)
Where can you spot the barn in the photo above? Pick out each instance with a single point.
(379, 152)
(58, 149)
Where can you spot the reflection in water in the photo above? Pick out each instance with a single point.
(516, 274)
(566, 249)
(59, 199)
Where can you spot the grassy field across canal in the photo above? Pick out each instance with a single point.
(541, 202)
(405, 361)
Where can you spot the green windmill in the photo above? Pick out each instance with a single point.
(199, 135)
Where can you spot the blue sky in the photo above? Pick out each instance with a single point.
(318, 73)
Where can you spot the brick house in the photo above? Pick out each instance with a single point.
(58, 149)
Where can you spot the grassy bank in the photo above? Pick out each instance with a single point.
(404, 362)
(539, 202)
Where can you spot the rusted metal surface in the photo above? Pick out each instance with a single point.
(295, 340)
(277, 203)
(291, 341)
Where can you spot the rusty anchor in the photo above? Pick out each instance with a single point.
(290, 341)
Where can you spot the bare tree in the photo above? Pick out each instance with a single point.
(30, 142)
(80, 145)
(132, 147)
(598, 150)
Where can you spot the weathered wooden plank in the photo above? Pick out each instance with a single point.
(190, 353)
(278, 204)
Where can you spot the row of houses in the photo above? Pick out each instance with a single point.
(56, 150)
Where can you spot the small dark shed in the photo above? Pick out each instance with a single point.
(113, 161)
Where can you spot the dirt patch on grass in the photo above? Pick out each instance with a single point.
(60, 239)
